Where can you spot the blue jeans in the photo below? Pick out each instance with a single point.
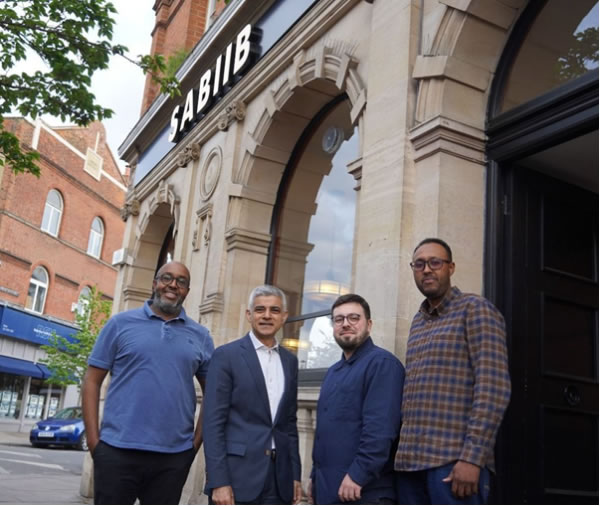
(427, 487)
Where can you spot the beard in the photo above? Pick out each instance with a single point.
(170, 308)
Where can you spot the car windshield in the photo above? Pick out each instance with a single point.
(67, 414)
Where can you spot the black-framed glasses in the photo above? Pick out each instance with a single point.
(353, 319)
(435, 264)
(167, 279)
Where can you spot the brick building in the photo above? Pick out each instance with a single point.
(57, 237)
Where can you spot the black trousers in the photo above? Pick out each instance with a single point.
(121, 476)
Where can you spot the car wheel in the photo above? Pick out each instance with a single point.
(82, 444)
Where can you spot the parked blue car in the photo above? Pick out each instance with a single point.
(65, 428)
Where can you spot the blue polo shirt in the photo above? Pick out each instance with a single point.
(358, 422)
(151, 399)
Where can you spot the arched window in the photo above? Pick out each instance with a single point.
(82, 301)
(96, 237)
(312, 256)
(559, 47)
(52, 213)
(38, 287)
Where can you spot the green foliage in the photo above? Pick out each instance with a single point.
(175, 61)
(66, 360)
(581, 56)
(73, 39)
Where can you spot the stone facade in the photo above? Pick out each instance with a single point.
(418, 75)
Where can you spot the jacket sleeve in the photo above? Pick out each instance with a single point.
(217, 402)
(486, 340)
(381, 418)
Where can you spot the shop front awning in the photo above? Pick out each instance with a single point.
(22, 367)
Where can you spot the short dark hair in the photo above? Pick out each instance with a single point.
(435, 240)
(352, 297)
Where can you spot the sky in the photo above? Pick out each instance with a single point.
(120, 87)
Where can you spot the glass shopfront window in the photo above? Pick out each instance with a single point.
(561, 46)
(315, 240)
(11, 393)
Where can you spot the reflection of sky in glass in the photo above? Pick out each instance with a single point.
(332, 226)
(589, 21)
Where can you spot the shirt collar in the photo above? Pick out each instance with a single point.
(150, 314)
(443, 306)
(257, 344)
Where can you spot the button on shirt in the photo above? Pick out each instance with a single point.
(270, 363)
(457, 385)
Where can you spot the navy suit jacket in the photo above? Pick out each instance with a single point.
(237, 423)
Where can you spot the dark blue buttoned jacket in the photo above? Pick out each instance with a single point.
(358, 422)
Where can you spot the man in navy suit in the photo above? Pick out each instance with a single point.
(250, 402)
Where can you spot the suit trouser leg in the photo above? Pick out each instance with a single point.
(270, 492)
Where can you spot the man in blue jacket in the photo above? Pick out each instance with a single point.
(250, 431)
(358, 415)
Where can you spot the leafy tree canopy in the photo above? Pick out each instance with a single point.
(67, 360)
(73, 39)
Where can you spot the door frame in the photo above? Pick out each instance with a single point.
(562, 114)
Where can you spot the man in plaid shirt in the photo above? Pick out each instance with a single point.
(456, 389)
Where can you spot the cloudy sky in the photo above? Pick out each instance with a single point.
(121, 86)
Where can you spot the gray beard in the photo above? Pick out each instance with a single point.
(167, 307)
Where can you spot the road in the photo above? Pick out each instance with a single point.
(39, 475)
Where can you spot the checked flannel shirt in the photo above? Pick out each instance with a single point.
(457, 385)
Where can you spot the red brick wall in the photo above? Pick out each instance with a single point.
(23, 246)
(179, 25)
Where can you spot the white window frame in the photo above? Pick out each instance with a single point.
(52, 215)
(40, 290)
(96, 239)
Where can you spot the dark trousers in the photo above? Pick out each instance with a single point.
(427, 487)
(270, 492)
(121, 476)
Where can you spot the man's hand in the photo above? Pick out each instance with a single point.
(465, 479)
(223, 495)
(92, 443)
(297, 492)
(349, 490)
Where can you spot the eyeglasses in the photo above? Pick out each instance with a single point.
(167, 279)
(353, 319)
(435, 264)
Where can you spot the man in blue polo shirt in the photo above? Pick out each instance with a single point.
(147, 441)
(358, 414)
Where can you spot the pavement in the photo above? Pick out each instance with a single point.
(31, 488)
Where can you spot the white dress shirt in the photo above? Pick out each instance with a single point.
(270, 363)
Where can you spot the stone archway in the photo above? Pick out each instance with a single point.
(156, 215)
(454, 74)
(314, 78)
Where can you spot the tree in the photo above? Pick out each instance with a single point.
(67, 359)
(73, 39)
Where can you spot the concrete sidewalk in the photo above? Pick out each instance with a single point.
(55, 488)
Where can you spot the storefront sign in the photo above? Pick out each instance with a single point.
(28, 327)
(215, 81)
(248, 47)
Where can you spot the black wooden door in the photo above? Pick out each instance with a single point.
(553, 272)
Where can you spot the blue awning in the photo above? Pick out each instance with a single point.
(21, 367)
(45, 371)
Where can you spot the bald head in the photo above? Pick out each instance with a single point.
(173, 264)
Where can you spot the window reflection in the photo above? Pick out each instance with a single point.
(314, 248)
(313, 342)
(561, 45)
